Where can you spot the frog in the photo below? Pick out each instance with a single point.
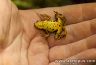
(49, 25)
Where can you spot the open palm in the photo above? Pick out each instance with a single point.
(22, 44)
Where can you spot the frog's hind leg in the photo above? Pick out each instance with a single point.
(63, 34)
(44, 17)
(60, 34)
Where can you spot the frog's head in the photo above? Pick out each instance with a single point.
(38, 24)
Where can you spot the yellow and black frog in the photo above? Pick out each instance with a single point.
(51, 26)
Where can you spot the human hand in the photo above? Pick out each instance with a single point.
(22, 44)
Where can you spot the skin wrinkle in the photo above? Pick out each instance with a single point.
(93, 26)
(1, 63)
(11, 23)
(28, 52)
(19, 59)
(17, 22)
(38, 42)
(28, 41)
(26, 32)
(39, 53)
(82, 18)
(22, 49)
(91, 41)
(87, 11)
(21, 36)
(9, 50)
(66, 12)
(12, 16)
(25, 38)
(67, 50)
(83, 55)
(14, 37)
(83, 10)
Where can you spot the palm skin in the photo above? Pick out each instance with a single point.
(22, 44)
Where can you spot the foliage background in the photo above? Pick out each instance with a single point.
(27, 4)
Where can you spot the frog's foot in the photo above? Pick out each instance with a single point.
(44, 17)
(63, 35)
(56, 36)
(60, 36)
(46, 35)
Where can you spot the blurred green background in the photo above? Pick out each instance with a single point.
(30, 4)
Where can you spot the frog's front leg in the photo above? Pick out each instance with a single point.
(61, 16)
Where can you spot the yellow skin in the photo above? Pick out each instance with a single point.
(52, 25)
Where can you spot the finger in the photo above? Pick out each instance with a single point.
(65, 51)
(86, 55)
(72, 13)
(75, 32)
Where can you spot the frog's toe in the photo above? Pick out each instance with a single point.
(57, 37)
(60, 36)
(45, 35)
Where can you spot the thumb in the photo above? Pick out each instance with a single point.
(5, 16)
(9, 24)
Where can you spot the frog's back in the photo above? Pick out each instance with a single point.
(51, 26)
